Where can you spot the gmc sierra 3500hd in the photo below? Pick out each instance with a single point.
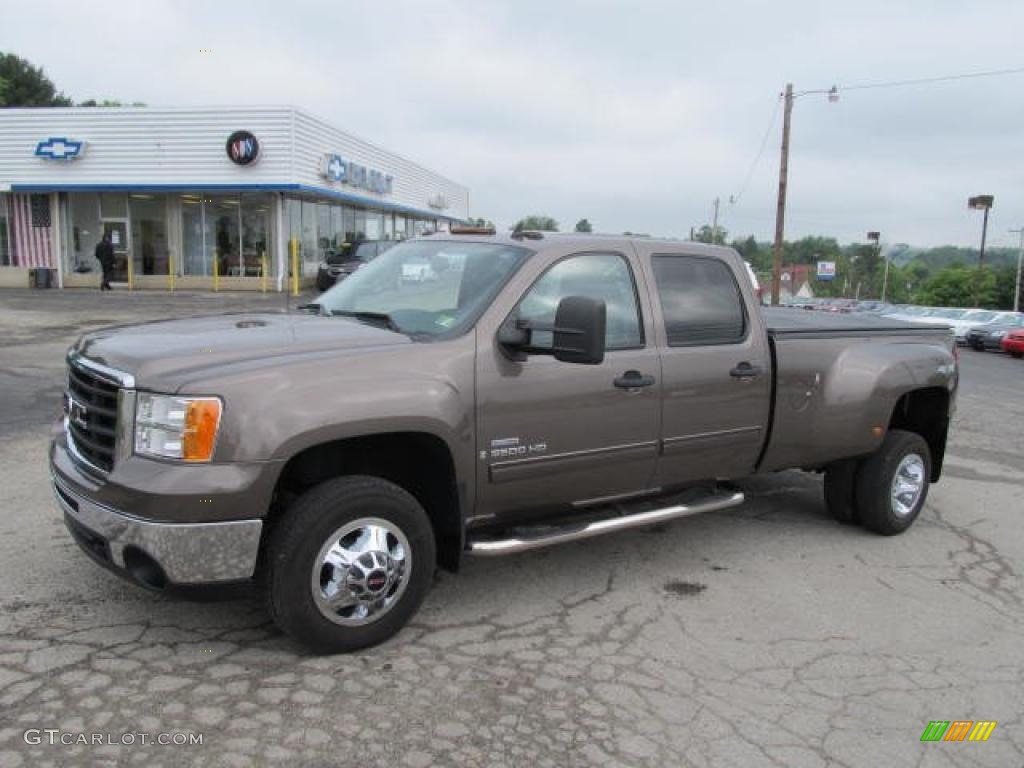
(473, 393)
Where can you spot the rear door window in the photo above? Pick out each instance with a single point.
(700, 300)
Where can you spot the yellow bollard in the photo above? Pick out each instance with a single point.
(170, 272)
(263, 271)
(294, 243)
(216, 272)
(131, 272)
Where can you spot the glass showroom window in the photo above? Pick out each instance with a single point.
(311, 255)
(223, 233)
(85, 231)
(256, 235)
(148, 215)
(230, 231)
(374, 225)
(195, 257)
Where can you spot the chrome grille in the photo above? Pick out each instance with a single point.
(90, 406)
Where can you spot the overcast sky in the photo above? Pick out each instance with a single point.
(633, 114)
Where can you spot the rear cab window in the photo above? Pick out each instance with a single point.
(701, 302)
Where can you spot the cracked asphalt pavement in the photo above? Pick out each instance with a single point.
(765, 635)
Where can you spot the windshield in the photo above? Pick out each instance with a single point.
(425, 288)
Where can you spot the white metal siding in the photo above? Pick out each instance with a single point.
(185, 146)
(143, 145)
(413, 185)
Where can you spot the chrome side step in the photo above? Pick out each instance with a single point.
(549, 535)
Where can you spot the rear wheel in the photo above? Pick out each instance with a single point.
(1018, 355)
(892, 483)
(840, 490)
(349, 564)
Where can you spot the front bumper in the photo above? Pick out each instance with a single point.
(183, 553)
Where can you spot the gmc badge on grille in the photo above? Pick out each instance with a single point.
(76, 412)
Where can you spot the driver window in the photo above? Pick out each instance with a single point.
(604, 276)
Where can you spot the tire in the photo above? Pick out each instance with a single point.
(1017, 355)
(296, 594)
(880, 511)
(840, 490)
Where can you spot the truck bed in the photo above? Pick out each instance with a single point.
(786, 321)
(832, 374)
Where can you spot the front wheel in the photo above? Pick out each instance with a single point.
(892, 483)
(349, 564)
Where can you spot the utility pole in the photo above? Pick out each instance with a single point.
(780, 211)
(714, 225)
(1020, 255)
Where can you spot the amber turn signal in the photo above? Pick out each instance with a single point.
(202, 418)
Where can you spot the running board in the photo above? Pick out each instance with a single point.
(548, 535)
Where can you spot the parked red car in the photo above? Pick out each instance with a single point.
(1013, 343)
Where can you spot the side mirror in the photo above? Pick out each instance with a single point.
(579, 330)
(577, 334)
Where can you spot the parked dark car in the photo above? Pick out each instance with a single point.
(340, 264)
(985, 337)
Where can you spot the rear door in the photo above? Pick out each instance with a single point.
(716, 368)
(551, 433)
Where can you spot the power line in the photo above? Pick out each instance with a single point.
(733, 199)
(925, 80)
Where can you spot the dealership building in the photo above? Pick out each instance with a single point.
(200, 198)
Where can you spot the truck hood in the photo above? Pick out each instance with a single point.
(168, 352)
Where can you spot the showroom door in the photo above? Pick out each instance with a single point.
(117, 230)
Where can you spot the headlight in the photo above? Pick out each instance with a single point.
(172, 427)
(998, 334)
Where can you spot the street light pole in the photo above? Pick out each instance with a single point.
(877, 237)
(980, 202)
(1020, 255)
(780, 210)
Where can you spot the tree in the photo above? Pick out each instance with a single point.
(954, 287)
(584, 226)
(536, 222)
(705, 235)
(109, 103)
(22, 85)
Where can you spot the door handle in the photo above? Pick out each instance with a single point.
(745, 370)
(633, 380)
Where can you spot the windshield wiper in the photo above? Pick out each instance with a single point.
(314, 307)
(373, 317)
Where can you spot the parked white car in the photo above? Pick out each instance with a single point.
(977, 318)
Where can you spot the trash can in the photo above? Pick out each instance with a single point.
(41, 277)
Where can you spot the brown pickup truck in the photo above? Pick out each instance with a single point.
(478, 394)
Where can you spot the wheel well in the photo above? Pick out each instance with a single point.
(926, 412)
(418, 462)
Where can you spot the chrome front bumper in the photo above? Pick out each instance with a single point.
(187, 553)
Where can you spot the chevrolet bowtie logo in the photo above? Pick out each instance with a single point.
(59, 148)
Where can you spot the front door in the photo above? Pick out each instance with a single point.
(715, 366)
(551, 434)
(117, 231)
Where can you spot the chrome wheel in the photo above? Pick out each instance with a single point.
(361, 571)
(908, 484)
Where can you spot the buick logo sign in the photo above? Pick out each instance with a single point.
(242, 148)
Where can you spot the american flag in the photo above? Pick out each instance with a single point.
(30, 230)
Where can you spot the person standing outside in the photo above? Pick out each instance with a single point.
(105, 256)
